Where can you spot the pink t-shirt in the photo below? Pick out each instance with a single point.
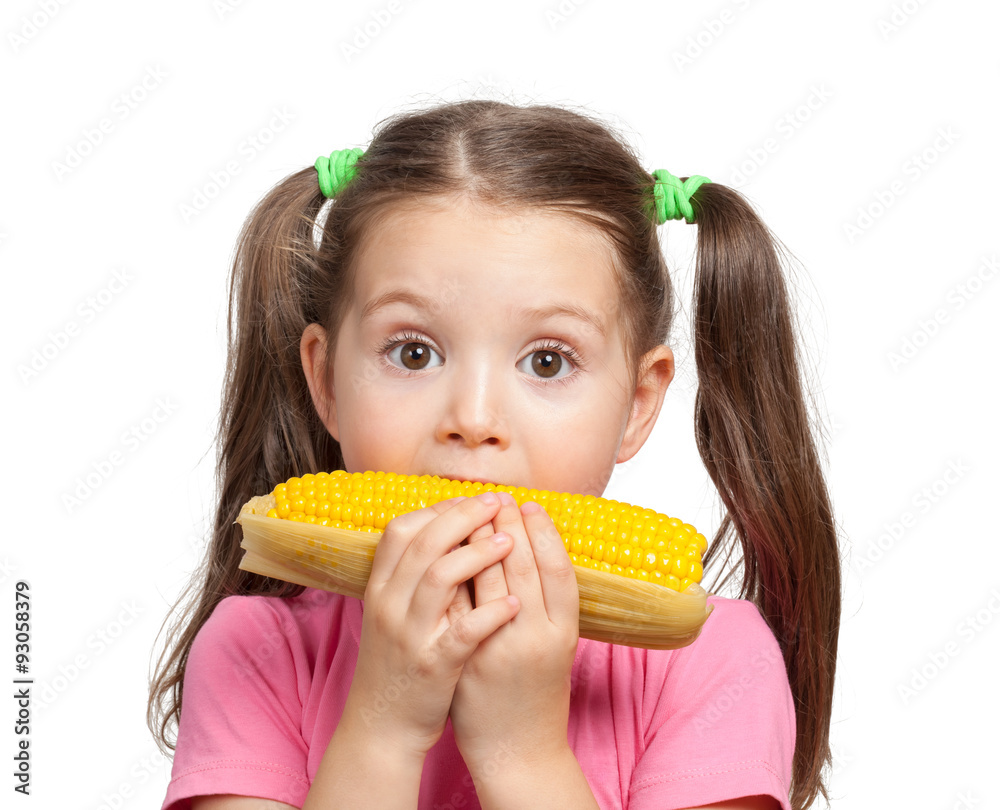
(267, 679)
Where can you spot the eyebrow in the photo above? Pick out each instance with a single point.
(537, 313)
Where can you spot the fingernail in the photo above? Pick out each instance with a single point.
(507, 499)
(489, 498)
(530, 507)
(500, 538)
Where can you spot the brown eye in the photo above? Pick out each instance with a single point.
(411, 353)
(414, 356)
(547, 364)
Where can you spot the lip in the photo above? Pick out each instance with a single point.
(459, 477)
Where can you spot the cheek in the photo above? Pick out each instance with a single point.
(590, 459)
(378, 428)
(580, 455)
(365, 426)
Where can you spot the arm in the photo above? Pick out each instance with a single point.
(555, 781)
(418, 628)
(351, 774)
(511, 707)
(357, 772)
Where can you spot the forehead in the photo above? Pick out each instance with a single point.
(488, 252)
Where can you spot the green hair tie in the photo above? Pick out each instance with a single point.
(673, 198)
(337, 171)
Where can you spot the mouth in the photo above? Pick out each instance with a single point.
(459, 477)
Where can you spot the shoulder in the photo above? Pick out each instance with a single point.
(260, 609)
(723, 724)
(735, 645)
(734, 668)
(733, 676)
(736, 653)
(734, 632)
(256, 628)
(246, 614)
(735, 625)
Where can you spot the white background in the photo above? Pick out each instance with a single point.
(698, 88)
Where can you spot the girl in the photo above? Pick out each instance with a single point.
(486, 299)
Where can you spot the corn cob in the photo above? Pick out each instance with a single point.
(607, 535)
(632, 563)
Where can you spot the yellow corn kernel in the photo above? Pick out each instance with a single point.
(606, 535)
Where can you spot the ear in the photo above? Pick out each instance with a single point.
(656, 371)
(313, 351)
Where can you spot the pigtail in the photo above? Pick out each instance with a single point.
(753, 434)
(268, 427)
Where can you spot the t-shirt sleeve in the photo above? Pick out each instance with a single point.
(724, 723)
(240, 722)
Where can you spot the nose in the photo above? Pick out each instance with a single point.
(475, 413)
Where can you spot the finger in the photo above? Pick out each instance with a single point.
(490, 583)
(520, 569)
(560, 591)
(441, 534)
(463, 601)
(397, 536)
(461, 604)
(446, 576)
(460, 640)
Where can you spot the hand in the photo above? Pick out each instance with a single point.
(419, 625)
(511, 705)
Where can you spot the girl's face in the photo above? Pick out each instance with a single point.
(485, 346)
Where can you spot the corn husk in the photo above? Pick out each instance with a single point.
(613, 609)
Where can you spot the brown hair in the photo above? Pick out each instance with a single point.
(751, 420)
